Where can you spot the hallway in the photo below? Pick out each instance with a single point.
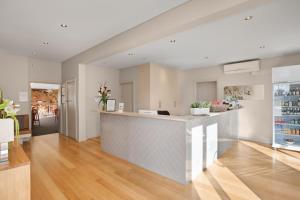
(48, 125)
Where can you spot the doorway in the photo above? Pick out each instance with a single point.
(206, 91)
(45, 108)
(71, 109)
(127, 96)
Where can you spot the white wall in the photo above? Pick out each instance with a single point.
(70, 71)
(14, 78)
(18, 71)
(255, 119)
(155, 87)
(44, 71)
(140, 77)
(95, 76)
(89, 78)
(165, 88)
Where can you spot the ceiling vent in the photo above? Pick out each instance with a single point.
(242, 67)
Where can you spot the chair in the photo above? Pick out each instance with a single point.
(56, 113)
(163, 112)
(35, 117)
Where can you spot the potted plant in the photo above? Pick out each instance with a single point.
(200, 108)
(8, 123)
(103, 95)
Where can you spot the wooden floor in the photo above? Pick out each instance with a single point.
(64, 169)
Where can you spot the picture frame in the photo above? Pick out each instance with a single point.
(111, 105)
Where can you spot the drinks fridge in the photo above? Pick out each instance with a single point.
(286, 107)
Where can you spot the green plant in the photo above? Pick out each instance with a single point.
(9, 110)
(195, 105)
(203, 104)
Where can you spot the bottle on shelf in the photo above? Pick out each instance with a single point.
(283, 111)
(286, 103)
(290, 104)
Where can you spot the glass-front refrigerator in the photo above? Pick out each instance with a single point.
(286, 115)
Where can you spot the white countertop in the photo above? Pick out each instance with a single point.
(182, 118)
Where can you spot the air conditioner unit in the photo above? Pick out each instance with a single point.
(242, 67)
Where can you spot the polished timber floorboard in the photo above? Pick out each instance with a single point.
(64, 169)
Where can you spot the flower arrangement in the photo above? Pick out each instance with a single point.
(103, 95)
(8, 110)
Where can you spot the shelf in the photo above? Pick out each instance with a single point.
(286, 115)
(286, 124)
(292, 96)
(280, 107)
(285, 134)
(293, 147)
(288, 106)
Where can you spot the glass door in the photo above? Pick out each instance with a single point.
(286, 115)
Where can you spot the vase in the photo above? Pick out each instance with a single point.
(104, 106)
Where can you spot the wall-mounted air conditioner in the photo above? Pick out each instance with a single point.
(242, 67)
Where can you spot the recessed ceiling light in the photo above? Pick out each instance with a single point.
(45, 43)
(172, 41)
(64, 25)
(248, 18)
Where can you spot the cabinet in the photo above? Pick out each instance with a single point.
(286, 115)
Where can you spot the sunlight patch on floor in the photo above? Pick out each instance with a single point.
(231, 185)
(205, 188)
(277, 155)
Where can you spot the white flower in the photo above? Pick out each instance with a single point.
(11, 109)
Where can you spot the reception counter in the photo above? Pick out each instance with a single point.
(177, 147)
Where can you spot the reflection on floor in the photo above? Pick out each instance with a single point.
(47, 125)
(64, 169)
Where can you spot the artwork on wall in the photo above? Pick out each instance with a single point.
(248, 92)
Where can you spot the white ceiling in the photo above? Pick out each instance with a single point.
(275, 26)
(24, 25)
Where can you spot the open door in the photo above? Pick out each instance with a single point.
(45, 108)
(71, 109)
